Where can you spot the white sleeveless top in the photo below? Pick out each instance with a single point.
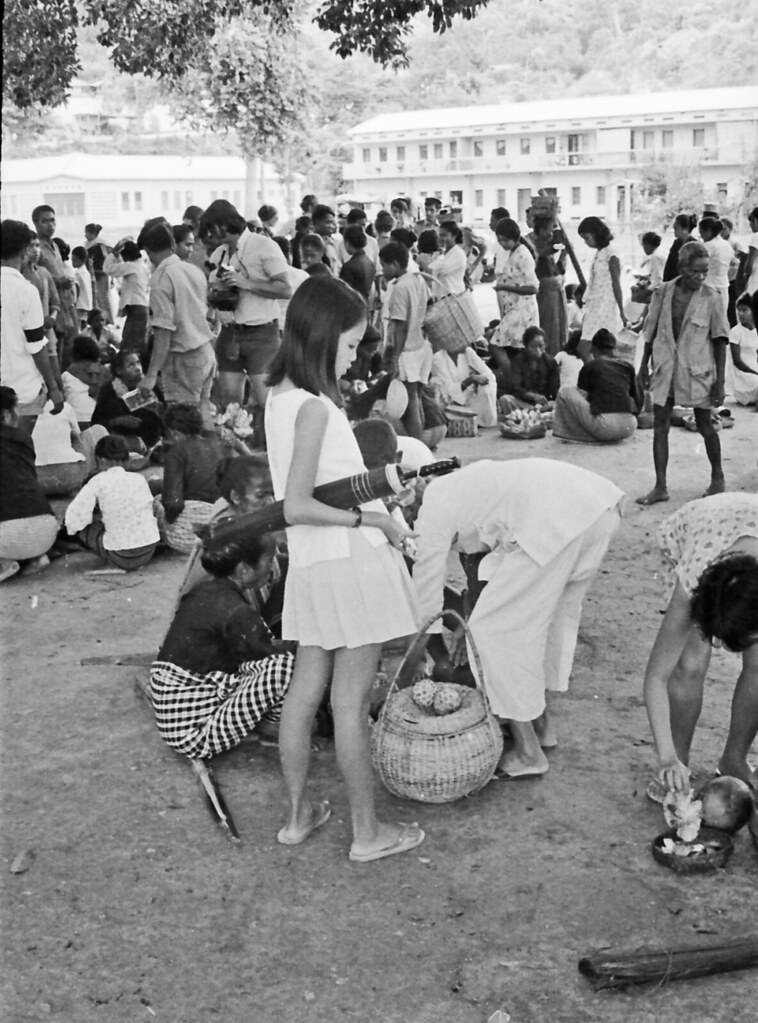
(340, 457)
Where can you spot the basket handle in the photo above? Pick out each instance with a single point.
(413, 649)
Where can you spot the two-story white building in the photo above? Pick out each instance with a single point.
(590, 151)
(121, 192)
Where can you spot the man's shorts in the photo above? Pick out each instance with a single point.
(36, 406)
(242, 348)
(187, 377)
(415, 367)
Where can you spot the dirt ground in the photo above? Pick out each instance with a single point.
(135, 908)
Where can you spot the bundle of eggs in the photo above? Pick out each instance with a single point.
(436, 696)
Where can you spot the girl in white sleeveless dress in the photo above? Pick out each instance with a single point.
(347, 589)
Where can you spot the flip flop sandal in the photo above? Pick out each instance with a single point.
(322, 813)
(410, 836)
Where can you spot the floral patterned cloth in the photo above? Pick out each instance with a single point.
(701, 531)
(600, 307)
(519, 311)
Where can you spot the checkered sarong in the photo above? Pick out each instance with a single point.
(201, 715)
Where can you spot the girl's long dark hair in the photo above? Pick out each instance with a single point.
(321, 309)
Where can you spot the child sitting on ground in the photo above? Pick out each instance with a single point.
(569, 361)
(113, 513)
(219, 669)
(81, 381)
(189, 477)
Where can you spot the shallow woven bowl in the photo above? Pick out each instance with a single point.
(702, 864)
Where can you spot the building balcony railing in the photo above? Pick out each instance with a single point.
(536, 162)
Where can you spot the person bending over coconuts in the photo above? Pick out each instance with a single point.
(712, 546)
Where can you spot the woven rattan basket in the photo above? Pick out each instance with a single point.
(452, 321)
(436, 759)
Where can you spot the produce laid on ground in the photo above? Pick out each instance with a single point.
(700, 828)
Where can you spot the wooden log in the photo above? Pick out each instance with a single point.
(607, 968)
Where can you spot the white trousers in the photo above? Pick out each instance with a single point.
(526, 621)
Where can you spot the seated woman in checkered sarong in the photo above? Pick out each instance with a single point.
(219, 669)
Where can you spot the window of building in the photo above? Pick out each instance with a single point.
(600, 195)
(647, 139)
(479, 198)
(382, 154)
(550, 144)
(225, 194)
(125, 203)
(164, 200)
(65, 204)
(456, 198)
(667, 138)
(478, 147)
(138, 200)
(500, 147)
(366, 154)
(437, 150)
(698, 137)
(501, 197)
(438, 195)
(214, 195)
(576, 195)
(526, 146)
(722, 190)
(177, 200)
(453, 146)
(423, 152)
(400, 154)
(237, 197)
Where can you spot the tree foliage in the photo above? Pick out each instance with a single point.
(39, 51)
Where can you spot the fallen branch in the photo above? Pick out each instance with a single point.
(613, 968)
(214, 800)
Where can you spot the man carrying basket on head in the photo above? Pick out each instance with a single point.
(532, 534)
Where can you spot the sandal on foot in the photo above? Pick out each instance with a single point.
(522, 772)
(410, 836)
(321, 814)
(652, 498)
(8, 569)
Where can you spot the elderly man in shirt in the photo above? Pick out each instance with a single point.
(182, 350)
(686, 334)
(539, 530)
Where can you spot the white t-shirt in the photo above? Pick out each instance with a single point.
(258, 257)
(449, 270)
(295, 278)
(84, 288)
(52, 436)
(720, 255)
(20, 310)
(570, 367)
(76, 393)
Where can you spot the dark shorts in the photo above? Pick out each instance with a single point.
(241, 348)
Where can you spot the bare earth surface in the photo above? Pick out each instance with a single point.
(137, 909)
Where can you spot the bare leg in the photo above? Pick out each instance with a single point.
(685, 689)
(313, 667)
(354, 674)
(413, 419)
(544, 728)
(743, 726)
(526, 757)
(661, 427)
(712, 443)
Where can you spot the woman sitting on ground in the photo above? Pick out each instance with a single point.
(219, 670)
(113, 513)
(604, 406)
(462, 378)
(141, 427)
(742, 365)
(189, 477)
(534, 376)
(28, 527)
(711, 546)
(65, 455)
(569, 362)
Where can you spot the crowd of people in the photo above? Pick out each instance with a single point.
(239, 365)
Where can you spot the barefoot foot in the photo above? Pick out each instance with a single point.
(519, 765)
(656, 495)
(717, 486)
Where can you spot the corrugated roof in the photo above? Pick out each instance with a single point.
(113, 167)
(571, 108)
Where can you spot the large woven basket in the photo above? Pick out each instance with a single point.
(436, 759)
(453, 321)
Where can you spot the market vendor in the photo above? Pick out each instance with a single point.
(711, 547)
(535, 532)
